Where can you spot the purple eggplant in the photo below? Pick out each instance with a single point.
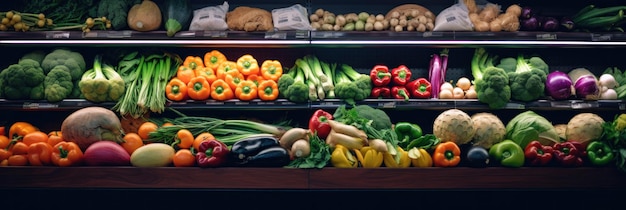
(530, 24)
(567, 23)
(550, 24)
(527, 12)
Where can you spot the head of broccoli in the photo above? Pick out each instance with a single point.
(493, 88)
(23, 80)
(58, 84)
(74, 61)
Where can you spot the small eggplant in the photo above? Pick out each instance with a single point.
(530, 24)
(244, 148)
(567, 24)
(527, 12)
(550, 24)
(276, 156)
(478, 157)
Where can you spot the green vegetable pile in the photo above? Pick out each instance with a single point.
(311, 79)
(319, 157)
(101, 83)
(40, 76)
(529, 126)
(491, 82)
(614, 134)
(527, 77)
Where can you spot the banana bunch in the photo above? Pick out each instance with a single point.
(592, 18)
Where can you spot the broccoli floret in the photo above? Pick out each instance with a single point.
(285, 81)
(298, 91)
(37, 55)
(491, 82)
(538, 63)
(22, 80)
(116, 11)
(493, 89)
(74, 61)
(101, 83)
(351, 90)
(528, 81)
(509, 64)
(58, 84)
(76, 91)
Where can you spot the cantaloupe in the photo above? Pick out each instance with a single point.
(145, 16)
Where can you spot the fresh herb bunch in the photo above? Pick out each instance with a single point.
(614, 134)
(319, 157)
(60, 11)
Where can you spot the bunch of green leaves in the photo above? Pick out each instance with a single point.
(319, 157)
(614, 134)
(60, 11)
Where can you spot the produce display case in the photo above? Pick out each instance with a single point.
(563, 50)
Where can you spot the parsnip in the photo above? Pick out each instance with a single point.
(301, 148)
(292, 135)
(347, 129)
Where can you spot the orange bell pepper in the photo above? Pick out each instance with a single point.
(5, 150)
(246, 90)
(255, 78)
(446, 154)
(221, 91)
(184, 139)
(208, 73)
(271, 69)
(247, 65)
(193, 62)
(35, 137)
(19, 153)
(184, 73)
(233, 80)
(66, 154)
(20, 129)
(226, 67)
(199, 89)
(268, 90)
(213, 59)
(55, 137)
(40, 154)
(176, 90)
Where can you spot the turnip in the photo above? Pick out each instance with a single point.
(91, 124)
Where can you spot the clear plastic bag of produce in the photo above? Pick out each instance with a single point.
(291, 18)
(454, 18)
(210, 18)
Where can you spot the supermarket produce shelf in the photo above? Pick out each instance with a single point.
(316, 38)
(233, 178)
(284, 104)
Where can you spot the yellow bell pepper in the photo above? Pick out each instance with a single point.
(400, 160)
(341, 157)
(420, 157)
(369, 157)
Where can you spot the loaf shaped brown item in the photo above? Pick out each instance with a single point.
(244, 18)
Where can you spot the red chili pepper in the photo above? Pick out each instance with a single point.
(400, 92)
(569, 153)
(381, 92)
(212, 153)
(400, 75)
(537, 154)
(319, 123)
(380, 76)
(419, 88)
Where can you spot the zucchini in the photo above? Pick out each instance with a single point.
(177, 16)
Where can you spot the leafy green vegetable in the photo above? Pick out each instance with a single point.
(23, 80)
(492, 83)
(529, 126)
(319, 157)
(614, 134)
(114, 10)
(61, 11)
(528, 78)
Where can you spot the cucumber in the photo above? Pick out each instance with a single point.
(176, 16)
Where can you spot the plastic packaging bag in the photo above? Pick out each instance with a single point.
(454, 18)
(210, 18)
(291, 18)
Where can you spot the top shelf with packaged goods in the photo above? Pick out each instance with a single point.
(313, 39)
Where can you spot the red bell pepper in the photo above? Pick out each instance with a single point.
(537, 154)
(319, 123)
(380, 76)
(212, 153)
(400, 75)
(400, 92)
(381, 92)
(419, 88)
(569, 153)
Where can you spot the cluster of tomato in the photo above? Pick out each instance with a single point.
(213, 76)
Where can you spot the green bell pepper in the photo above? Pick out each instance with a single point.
(507, 153)
(407, 132)
(599, 153)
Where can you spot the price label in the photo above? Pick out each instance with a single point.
(214, 103)
(266, 103)
(29, 105)
(546, 37)
(58, 35)
(432, 34)
(585, 105)
(391, 104)
(108, 34)
(601, 37)
(242, 103)
(275, 35)
(302, 34)
(216, 34)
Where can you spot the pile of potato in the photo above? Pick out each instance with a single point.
(408, 17)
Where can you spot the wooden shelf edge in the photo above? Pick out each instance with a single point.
(312, 179)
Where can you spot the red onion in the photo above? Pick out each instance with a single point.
(106, 153)
(558, 85)
(586, 85)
